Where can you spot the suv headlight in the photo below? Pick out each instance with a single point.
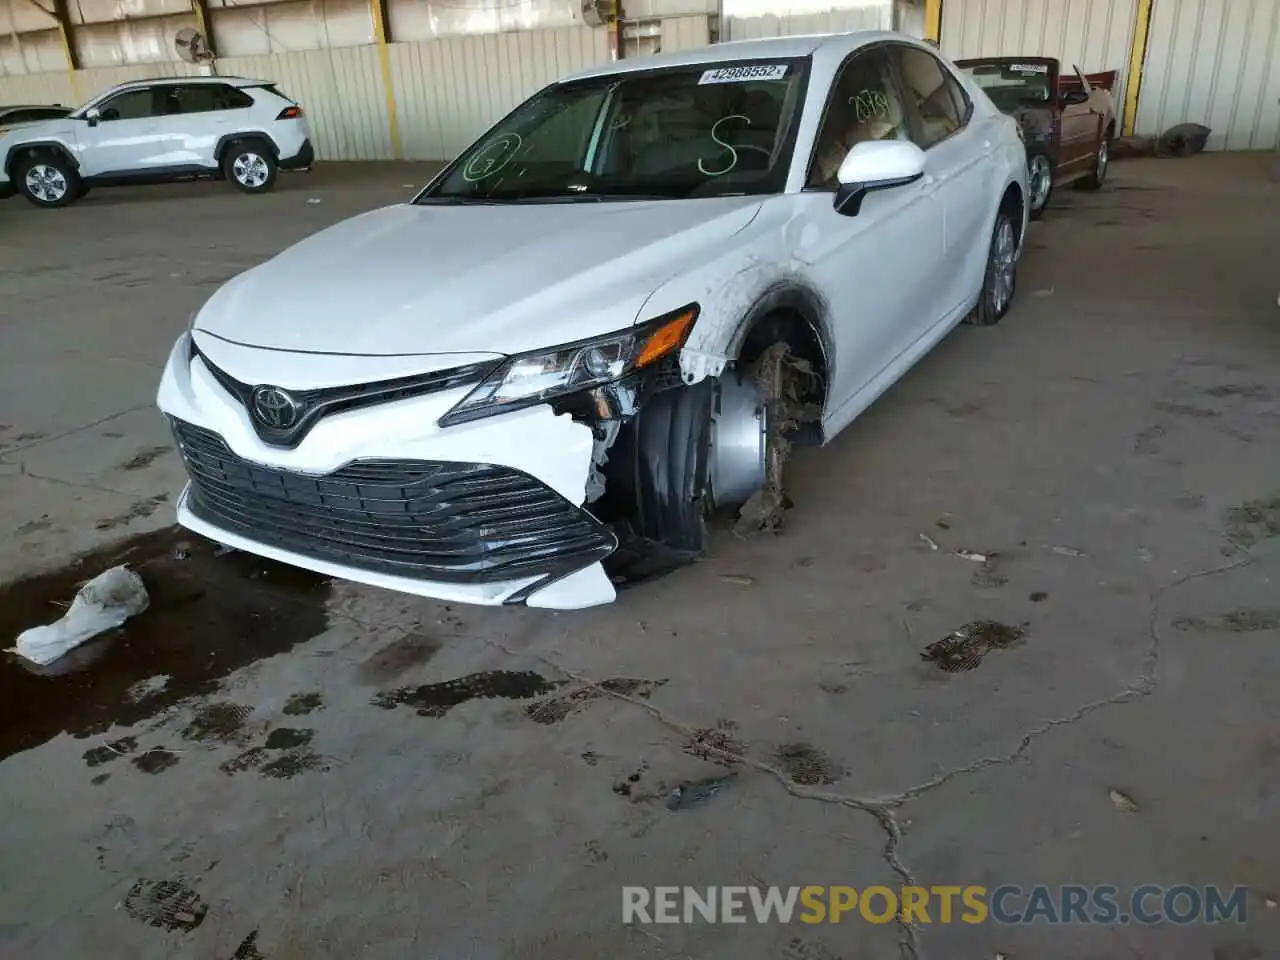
(535, 377)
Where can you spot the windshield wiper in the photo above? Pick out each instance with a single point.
(454, 201)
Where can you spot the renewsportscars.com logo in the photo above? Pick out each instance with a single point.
(1147, 904)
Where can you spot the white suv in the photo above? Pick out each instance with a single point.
(156, 131)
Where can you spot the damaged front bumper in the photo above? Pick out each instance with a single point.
(488, 512)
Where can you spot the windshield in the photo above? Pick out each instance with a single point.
(700, 131)
(1012, 85)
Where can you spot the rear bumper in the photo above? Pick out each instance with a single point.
(488, 512)
(304, 158)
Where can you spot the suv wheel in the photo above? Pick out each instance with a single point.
(48, 181)
(250, 166)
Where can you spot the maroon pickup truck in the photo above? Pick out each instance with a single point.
(1067, 119)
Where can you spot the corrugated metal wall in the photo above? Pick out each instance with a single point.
(1215, 62)
(341, 90)
(39, 88)
(450, 90)
(1095, 34)
(685, 33)
(741, 26)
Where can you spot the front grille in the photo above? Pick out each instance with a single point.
(311, 405)
(431, 520)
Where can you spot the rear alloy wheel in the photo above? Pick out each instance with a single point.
(1039, 184)
(49, 182)
(1098, 175)
(250, 167)
(1001, 281)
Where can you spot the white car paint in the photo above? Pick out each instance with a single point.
(139, 146)
(416, 288)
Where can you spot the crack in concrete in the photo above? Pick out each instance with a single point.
(882, 808)
(879, 809)
(24, 472)
(71, 433)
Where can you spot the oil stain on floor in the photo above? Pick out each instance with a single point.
(169, 904)
(211, 613)
(805, 764)
(282, 756)
(964, 649)
(437, 699)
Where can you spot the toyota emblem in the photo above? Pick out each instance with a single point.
(274, 407)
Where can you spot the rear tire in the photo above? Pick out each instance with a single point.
(1001, 280)
(1101, 162)
(250, 166)
(1039, 184)
(48, 180)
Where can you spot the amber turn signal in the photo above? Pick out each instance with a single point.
(667, 338)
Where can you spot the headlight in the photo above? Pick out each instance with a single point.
(530, 378)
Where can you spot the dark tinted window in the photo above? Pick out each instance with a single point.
(130, 105)
(940, 104)
(864, 104)
(202, 98)
(30, 116)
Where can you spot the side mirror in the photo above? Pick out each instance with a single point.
(1073, 97)
(876, 165)
(92, 116)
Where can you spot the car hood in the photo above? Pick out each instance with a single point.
(431, 279)
(30, 128)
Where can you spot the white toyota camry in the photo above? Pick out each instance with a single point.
(612, 315)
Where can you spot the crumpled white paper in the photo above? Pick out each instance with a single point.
(101, 604)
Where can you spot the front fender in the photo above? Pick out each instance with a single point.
(11, 150)
(752, 276)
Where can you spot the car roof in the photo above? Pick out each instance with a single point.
(802, 45)
(9, 107)
(185, 81)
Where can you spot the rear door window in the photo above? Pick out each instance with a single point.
(204, 98)
(940, 104)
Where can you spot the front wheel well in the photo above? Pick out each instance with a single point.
(806, 344)
(19, 154)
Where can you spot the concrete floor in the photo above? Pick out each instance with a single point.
(275, 748)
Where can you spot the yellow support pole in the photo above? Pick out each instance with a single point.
(201, 11)
(1137, 56)
(68, 46)
(933, 20)
(384, 60)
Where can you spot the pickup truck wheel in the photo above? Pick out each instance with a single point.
(1096, 177)
(1039, 184)
(1001, 280)
(48, 181)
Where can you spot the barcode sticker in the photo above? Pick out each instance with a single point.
(750, 71)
